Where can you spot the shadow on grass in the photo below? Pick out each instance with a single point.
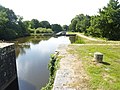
(105, 63)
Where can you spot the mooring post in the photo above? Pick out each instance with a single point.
(98, 57)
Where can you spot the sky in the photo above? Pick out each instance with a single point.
(54, 11)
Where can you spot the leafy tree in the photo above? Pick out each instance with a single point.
(85, 23)
(110, 20)
(3, 18)
(34, 24)
(93, 29)
(27, 24)
(7, 34)
(11, 26)
(80, 23)
(72, 26)
(56, 28)
(65, 27)
(23, 27)
(107, 23)
(11, 16)
(45, 24)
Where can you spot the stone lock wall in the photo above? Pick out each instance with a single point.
(8, 70)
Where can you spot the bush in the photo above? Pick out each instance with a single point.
(43, 30)
(38, 31)
(31, 30)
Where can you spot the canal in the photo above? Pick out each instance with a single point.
(32, 56)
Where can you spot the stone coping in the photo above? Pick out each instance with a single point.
(2, 45)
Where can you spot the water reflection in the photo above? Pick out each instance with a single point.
(33, 55)
(24, 43)
(26, 85)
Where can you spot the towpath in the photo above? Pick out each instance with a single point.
(71, 74)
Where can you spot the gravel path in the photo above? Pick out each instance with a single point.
(71, 74)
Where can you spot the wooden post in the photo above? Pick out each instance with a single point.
(98, 57)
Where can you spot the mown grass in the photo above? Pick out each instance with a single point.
(100, 40)
(79, 40)
(103, 76)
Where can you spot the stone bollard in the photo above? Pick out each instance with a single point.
(98, 57)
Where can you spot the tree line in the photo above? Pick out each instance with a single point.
(105, 25)
(12, 26)
(34, 24)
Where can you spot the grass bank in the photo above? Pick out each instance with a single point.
(79, 40)
(52, 66)
(103, 76)
(82, 40)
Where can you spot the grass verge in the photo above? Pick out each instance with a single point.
(103, 76)
(79, 40)
(86, 41)
(52, 66)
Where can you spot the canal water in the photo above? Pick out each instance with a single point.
(33, 54)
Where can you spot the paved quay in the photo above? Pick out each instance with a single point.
(71, 74)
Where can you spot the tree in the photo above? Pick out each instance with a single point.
(85, 24)
(110, 20)
(45, 24)
(65, 27)
(94, 29)
(34, 24)
(23, 27)
(107, 23)
(3, 19)
(72, 26)
(80, 23)
(11, 26)
(27, 24)
(56, 28)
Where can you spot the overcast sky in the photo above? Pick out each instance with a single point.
(54, 11)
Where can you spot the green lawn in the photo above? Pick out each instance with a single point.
(102, 75)
(81, 40)
(86, 41)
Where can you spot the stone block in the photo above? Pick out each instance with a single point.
(7, 64)
(98, 57)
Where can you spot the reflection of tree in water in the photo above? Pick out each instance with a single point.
(21, 48)
(24, 43)
(17, 51)
(37, 39)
